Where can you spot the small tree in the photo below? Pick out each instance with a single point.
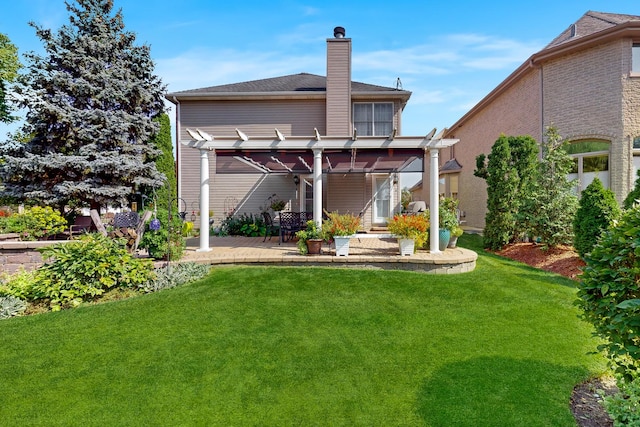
(634, 195)
(553, 203)
(597, 211)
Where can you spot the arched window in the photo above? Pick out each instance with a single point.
(591, 159)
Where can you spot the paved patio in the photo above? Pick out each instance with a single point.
(364, 252)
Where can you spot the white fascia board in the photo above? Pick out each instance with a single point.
(326, 143)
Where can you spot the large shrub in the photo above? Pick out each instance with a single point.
(86, 268)
(596, 212)
(35, 223)
(609, 295)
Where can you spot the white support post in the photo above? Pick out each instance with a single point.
(434, 208)
(204, 201)
(317, 186)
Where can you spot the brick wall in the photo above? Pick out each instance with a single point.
(21, 255)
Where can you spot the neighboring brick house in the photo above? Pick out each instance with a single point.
(319, 143)
(586, 83)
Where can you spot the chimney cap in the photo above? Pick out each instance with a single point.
(339, 32)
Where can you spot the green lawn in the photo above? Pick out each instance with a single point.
(500, 346)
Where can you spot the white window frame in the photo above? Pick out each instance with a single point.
(635, 59)
(375, 132)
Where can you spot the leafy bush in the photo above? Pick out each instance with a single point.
(19, 285)
(608, 292)
(312, 231)
(596, 212)
(11, 306)
(35, 223)
(156, 242)
(634, 195)
(624, 406)
(246, 225)
(175, 275)
(84, 269)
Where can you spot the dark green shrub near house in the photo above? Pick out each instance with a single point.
(608, 292)
(597, 210)
(634, 195)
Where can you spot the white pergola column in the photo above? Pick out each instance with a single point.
(317, 186)
(204, 201)
(434, 199)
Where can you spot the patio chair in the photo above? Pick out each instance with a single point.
(268, 222)
(81, 224)
(289, 225)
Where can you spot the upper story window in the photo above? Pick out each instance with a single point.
(590, 160)
(373, 119)
(635, 58)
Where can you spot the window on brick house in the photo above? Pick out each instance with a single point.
(590, 160)
(373, 119)
(635, 58)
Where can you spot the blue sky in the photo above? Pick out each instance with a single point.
(449, 54)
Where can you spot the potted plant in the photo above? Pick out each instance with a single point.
(412, 231)
(339, 228)
(310, 239)
(456, 232)
(447, 221)
(275, 203)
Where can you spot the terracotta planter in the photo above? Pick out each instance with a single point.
(314, 246)
(342, 245)
(407, 246)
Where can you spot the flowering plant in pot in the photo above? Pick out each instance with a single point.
(414, 227)
(338, 227)
(312, 233)
(275, 203)
(338, 224)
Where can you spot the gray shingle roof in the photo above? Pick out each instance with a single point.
(302, 82)
(590, 23)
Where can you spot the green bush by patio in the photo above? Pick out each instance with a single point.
(500, 346)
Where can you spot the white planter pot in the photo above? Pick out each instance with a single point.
(342, 245)
(407, 246)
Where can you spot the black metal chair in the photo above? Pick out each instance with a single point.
(268, 223)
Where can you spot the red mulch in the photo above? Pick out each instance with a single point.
(562, 259)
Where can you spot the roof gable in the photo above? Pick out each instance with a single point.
(590, 23)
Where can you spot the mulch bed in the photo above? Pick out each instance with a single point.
(586, 399)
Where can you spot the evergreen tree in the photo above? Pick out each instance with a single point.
(502, 186)
(509, 174)
(554, 203)
(597, 211)
(91, 103)
(634, 196)
(9, 65)
(165, 164)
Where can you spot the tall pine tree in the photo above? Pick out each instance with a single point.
(91, 105)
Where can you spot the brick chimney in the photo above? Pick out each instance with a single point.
(338, 105)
